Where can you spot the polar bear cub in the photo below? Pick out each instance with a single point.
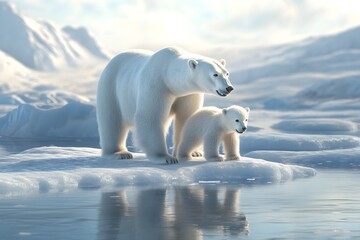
(211, 126)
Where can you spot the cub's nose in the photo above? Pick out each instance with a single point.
(244, 128)
(229, 89)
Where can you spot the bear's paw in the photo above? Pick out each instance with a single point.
(122, 155)
(196, 154)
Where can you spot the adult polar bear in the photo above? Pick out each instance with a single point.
(145, 90)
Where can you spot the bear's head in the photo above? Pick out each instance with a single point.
(211, 76)
(235, 118)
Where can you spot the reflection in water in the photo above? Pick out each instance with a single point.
(181, 213)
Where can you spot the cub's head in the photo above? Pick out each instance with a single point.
(235, 118)
(211, 76)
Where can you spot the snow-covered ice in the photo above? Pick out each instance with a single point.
(56, 169)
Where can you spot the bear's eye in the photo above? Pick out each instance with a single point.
(227, 74)
(216, 75)
(245, 120)
(237, 120)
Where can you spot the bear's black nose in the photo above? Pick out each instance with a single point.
(229, 89)
(244, 128)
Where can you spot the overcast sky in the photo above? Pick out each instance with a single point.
(122, 24)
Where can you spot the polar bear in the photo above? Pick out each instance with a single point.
(209, 127)
(146, 90)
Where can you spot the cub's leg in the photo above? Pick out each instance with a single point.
(231, 146)
(188, 143)
(211, 146)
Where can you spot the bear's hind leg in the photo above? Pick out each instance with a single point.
(122, 152)
(113, 140)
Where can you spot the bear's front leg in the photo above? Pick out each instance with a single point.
(211, 147)
(150, 127)
(232, 146)
(151, 136)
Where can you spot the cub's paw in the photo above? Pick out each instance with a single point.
(122, 155)
(215, 159)
(196, 154)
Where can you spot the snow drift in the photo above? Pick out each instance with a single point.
(338, 88)
(73, 120)
(296, 142)
(336, 159)
(317, 126)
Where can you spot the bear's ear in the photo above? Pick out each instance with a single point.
(192, 63)
(223, 62)
(247, 109)
(224, 111)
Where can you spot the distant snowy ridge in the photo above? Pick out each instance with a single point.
(340, 51)
(84, 38)
(297, 75)
(41, 45)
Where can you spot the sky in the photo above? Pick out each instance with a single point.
(195, 24)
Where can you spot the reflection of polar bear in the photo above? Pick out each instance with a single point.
(190, 212)
(147, 89)
(210, 126)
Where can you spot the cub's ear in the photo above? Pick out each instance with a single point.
(247, 109)
(224, 111)
(223, 62)
(192, 63)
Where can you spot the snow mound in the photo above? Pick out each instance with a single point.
(317, 126)
(56, 169)
(73, 120)
(41, 45)
(341, 158)
(296, 142)
(338, 88)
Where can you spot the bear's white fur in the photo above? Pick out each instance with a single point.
(145, 90)
(211, 126)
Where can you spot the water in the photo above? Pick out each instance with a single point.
(323, 207)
